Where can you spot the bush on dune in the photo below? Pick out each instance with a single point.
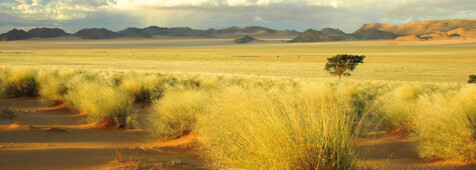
(20, 82)
(396, 109)
(53, 87)
(143, 88)
(445, 126)
(101, 101)
(307, 128)
(175, 114)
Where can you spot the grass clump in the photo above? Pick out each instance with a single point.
(292, 128)
(102, 102)
(53, 87)
(20, 82)
(396, 109)
(143, 88)
(472, 79)
(176, 113)
(445, 126)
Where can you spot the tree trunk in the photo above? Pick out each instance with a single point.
(339, 77)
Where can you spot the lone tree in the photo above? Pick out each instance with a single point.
(472, 79)
(343, 64)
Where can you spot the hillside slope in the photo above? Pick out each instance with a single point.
(422, 27)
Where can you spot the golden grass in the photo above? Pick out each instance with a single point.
(429, 62)
(253, 110)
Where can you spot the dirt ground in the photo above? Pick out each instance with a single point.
(43, 137)
(56, 138)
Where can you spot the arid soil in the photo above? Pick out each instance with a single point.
(382, 150)
(43, 137)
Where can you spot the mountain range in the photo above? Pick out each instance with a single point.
(415, 31)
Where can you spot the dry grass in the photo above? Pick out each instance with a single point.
(261, 112)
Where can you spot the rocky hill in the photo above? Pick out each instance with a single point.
(245, 39)
(244, 30)
(422, 27)
(373, 34)
(15, 35)
(135, 32)
(96, 33)
(332, 31)
(409, 38)
(423, 30)
(311, 35)
(47, 32)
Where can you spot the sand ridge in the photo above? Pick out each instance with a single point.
(43, 137)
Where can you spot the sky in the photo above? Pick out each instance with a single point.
(347, 15)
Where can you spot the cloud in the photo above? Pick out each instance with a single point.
(348, 15)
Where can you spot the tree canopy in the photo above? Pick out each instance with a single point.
(343, 64)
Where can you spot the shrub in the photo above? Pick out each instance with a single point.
(143, 88)
(472, 79)
(101, 101)
(445, 126)
(175, 114)
(20, 82)
(396, 109)
(254, 128)
(52, 87)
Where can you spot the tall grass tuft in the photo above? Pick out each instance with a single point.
(396, 109)
(290, 128)
(175, 115)
(445, 126)
(101, 101)
(20, 82)
(143, 88)
(53, 87)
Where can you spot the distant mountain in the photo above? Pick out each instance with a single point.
(311, 35)
(134, 32)
(332, 31)
(422, 27)
(96, 33)
(423, 30)
(189, 32)
(245, 30)
(15, 35)
(47, 32)
(245, 39)
(373, 34)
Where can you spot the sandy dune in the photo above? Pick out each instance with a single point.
(50, 138)
(380, 150)
(42, 137)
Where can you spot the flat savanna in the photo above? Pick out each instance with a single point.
(438, 61)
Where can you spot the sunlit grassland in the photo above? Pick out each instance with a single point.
(428, 62)
(260, 106)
